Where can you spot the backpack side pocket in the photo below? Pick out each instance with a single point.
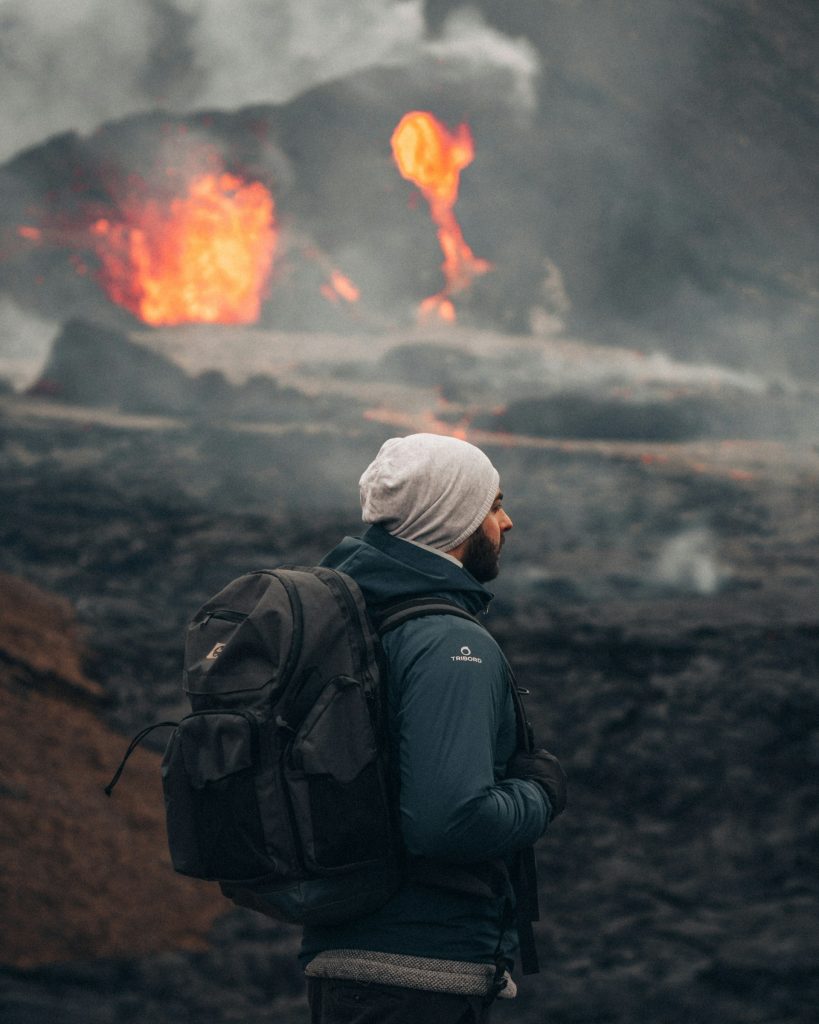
(336, 784)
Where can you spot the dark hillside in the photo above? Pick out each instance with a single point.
(80, 876)
(661, 611)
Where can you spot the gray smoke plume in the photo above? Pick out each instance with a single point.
(660, 192)
(69, 67)
(72, 67)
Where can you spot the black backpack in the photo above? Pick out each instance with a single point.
(278, 785)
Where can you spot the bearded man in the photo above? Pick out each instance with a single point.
(473, 796)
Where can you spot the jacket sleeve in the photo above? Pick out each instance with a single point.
(450, 697)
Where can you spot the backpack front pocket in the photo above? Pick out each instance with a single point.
(335, 780)
(208, 775)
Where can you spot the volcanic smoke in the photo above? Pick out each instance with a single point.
(432, 158)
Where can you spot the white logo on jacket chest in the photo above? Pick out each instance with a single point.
(466, 655)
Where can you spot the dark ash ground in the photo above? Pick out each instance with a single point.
(661, 609)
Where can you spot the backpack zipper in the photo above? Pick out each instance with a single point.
(338, 588)
(224, 613)
(298, 624)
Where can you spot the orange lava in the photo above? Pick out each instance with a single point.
(202, 257)
(340, 287)
(432, 158)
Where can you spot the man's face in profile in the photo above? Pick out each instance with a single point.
(482, 555)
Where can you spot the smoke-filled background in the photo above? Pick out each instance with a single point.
(626, 321)
(645, 171)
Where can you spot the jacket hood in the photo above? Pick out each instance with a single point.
(389, 570)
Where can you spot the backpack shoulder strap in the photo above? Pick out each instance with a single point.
(397, 614)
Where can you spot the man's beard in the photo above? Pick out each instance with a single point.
(481, 557)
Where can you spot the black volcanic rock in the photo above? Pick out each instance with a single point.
(100, 366)
(679, 418)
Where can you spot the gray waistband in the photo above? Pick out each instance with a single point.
(432, 975)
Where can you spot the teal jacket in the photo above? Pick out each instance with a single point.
(452, 722)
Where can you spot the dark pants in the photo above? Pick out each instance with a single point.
(349, 1002)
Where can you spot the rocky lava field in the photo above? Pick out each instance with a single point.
(658, 598)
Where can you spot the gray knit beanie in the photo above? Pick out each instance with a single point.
(429, 488)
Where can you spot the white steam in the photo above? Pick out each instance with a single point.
(688, 561)
(24, 344)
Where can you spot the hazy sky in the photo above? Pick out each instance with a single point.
(70, 66)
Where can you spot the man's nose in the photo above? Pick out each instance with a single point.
(506, 522)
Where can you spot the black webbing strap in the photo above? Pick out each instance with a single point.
(529, 963)
(397, 614)
(524, 874)
(524, 882)
(499, 979)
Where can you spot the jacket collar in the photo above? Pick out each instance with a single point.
(389, 569)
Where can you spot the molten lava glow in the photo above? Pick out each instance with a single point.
(340, 287)
(204, 257)
(432, 158)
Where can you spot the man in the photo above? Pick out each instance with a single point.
(470, 799)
